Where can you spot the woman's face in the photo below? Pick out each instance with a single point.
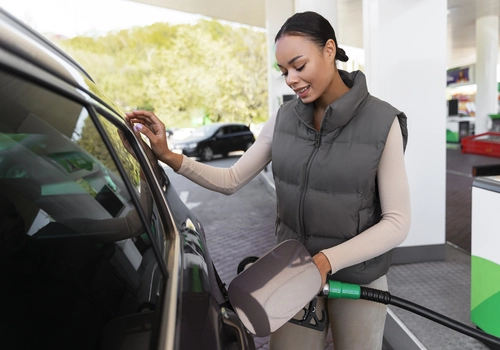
(308, 69)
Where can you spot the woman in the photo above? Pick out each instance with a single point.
(340, 178)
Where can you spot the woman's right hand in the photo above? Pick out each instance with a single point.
(148, 124)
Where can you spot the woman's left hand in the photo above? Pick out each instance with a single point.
(323, 265)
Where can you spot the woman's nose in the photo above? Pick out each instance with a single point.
(291, 78)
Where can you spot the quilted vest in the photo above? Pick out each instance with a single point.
(326, 181)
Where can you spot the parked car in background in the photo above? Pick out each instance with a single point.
(97, 250)
(180, 133)
(213, 139)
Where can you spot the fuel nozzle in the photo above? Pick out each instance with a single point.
(341, 290)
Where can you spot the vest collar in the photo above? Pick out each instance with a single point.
(340, 112)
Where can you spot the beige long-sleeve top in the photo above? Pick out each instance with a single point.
(393, 187)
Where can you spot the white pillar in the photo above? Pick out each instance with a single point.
(327, 9)
(405, 65)
(486, 71)
(371, 34)
(277, 12)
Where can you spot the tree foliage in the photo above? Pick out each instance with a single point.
(181, 72)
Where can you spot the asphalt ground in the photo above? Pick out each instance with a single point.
(236, 226)
(242, 225)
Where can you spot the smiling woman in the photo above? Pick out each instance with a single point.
(338, 164)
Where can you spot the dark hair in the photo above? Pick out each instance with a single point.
(313, 26)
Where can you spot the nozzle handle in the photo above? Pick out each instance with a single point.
(338, 290)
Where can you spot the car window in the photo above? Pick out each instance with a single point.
(59, 152)
(205, 130)
(128, 161)
(226, 130)
(73, 248)
(239, 128)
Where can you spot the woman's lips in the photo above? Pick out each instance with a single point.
(302, 92)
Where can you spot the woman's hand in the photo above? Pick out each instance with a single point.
(323, 265)
(148, 124)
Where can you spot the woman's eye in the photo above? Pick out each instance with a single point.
(284, 74)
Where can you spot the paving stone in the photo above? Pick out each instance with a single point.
(443, 286)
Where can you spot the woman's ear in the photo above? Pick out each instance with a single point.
(330, 49)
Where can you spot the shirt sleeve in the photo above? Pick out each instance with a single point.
(230, 180)
(394, 226)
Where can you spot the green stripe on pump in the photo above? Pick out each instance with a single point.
(485, 281)
(338, 290)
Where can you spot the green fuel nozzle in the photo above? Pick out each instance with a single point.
(341, 290)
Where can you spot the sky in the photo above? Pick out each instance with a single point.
(90, 17)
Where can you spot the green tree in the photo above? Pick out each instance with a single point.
(183, 73)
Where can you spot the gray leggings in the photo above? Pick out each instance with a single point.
(355, 324)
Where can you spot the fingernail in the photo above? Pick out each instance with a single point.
(137, 127)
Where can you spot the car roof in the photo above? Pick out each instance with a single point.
(226, 124)
(21, 41)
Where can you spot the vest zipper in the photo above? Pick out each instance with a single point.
(317, 143)
(317, 140)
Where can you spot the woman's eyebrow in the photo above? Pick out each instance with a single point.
(292, 60)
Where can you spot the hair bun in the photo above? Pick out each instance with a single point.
(341, 55)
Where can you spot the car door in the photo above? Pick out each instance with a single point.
(86, 273)
(97, 251)
(81, 196)
(238, 137)
(223, 143)
(242, 137)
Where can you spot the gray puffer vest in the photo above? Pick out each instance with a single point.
(326, 181)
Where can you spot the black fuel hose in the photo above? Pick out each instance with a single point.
(337, 290)
(369, 294)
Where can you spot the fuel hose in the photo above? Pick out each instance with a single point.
(341, 290)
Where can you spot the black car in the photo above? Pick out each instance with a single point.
(218, 138)
(97, 250)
